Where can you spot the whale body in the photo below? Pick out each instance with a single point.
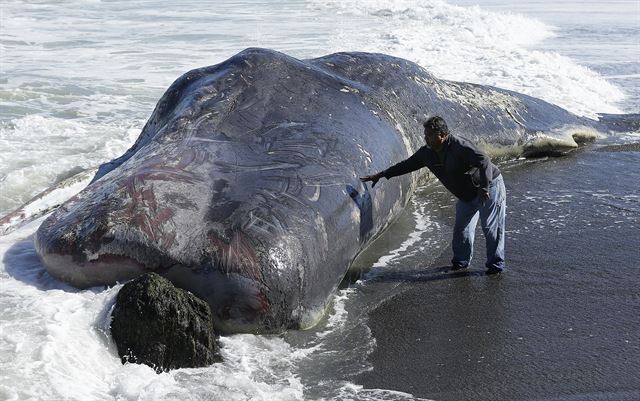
(243, 185)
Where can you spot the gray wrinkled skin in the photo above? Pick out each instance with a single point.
(243, 185)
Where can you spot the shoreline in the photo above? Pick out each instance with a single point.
(561, 323)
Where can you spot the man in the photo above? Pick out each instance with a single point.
(469, 174)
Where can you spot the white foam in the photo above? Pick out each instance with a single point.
(350, 391)
(339, 315)
(50, 333)
(37, 149)
(423, 225)
(474, 45)
(46, 201)
(621, 138)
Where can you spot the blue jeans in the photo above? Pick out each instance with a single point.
(491, 215)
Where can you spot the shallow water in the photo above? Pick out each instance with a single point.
(79, 80)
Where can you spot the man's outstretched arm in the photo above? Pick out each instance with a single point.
(413, 163)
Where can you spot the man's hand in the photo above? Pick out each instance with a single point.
(483, 195)
(374, 178)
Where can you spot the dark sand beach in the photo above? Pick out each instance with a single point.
(562, 324)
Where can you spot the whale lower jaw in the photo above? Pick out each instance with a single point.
(238, 304)
(107, 270)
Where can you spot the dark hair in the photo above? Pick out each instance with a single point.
(436, 124)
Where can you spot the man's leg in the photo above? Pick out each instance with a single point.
(463, 233)
(492, 217)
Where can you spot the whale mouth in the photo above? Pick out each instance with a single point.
(107, 269)
(89, 252)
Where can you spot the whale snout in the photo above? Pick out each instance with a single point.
(99, 258)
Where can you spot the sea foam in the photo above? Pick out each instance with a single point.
(39, 151)
(474, 45)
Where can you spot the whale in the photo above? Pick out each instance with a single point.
(243, 186)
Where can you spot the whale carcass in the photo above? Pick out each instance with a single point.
(243, 185)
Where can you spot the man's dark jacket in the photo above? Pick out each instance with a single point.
(464, 168)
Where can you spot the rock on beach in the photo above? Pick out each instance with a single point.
(160, 325)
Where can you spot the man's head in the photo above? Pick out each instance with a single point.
(435, 132)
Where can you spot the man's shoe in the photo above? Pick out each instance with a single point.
(459, 268)
(494, 270)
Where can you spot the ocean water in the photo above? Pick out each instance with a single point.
(80, 78)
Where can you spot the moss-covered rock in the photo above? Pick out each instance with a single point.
(162, 326)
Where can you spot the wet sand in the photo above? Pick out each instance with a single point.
(563, 323)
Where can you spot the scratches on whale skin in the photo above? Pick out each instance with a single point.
(286, 195)
(188, 157)
(280, 196)
(140, 207)
(238, 168)
(316, 194)
(291, 184)
(284, 189)
(290, 152)
(294, 189)
(299, 149)
(514, 117)
(269, 224)
(161, 174)
(235, 256)
(281, 126)
(257, 223)
(277, 136)
(222, 138)
(192, 130)
(245, 80)
(143, 212)
(324, 180)
(295, 148)
(169, 167)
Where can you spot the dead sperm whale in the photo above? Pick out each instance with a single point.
(243, 185)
